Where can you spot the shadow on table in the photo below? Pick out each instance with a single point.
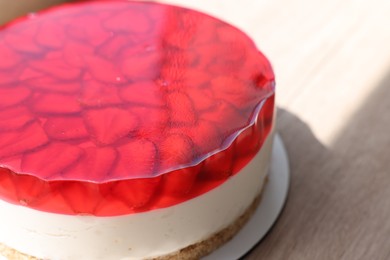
(364, 191)
(306, 154)
(339, 200)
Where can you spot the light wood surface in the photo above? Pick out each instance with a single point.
(332, 62)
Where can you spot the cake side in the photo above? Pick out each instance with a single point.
(194, 251)
(158, 233)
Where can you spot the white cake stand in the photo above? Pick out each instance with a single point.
(274, 197)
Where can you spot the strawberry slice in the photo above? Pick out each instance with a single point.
(248, 142)
(202, 98)
(228, 85)
(267, 112)
(74, 193)
(74, 53)
(182, 111)
(22, 38)
(237, 92)
(128, 21)
(9, 58)
(224, 115)
(218, 166)
(98, 94)
(170, 86)
(14, 118)
(103, 70)
(136, 193)
(92, 31)
(143, 93)
(10, 77)
(178, 39)
(94, 166)
(195, 78)
(13, 95)
(171, 73)
(155, 12)
(152, 121)
(205, 136)
(28, 138)
(52, 103)
(263, 70)
(30, 190)
(231, 54)
(136, 158)
(108, 125)
(176, 59)
(207, 56)
(235, 50)
(180, 182)
(110, 205)
(7, 186)
(58, 68)
(28, 73)
(51, 35)
(188, 77)
(52, 201)
(205, 37)
(51, 161)
(216, 66)
(175, 150)
(226, 34)
(144, 64)
(65, 128)
(51, 84)
(112, 47)
(181, 60)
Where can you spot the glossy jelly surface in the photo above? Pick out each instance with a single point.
(110, 108)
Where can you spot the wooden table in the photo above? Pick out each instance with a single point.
(332, 62)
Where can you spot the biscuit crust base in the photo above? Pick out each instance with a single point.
(195, 251)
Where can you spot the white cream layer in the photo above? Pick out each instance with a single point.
(136, 236)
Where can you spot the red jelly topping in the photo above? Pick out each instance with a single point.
(111, 108)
